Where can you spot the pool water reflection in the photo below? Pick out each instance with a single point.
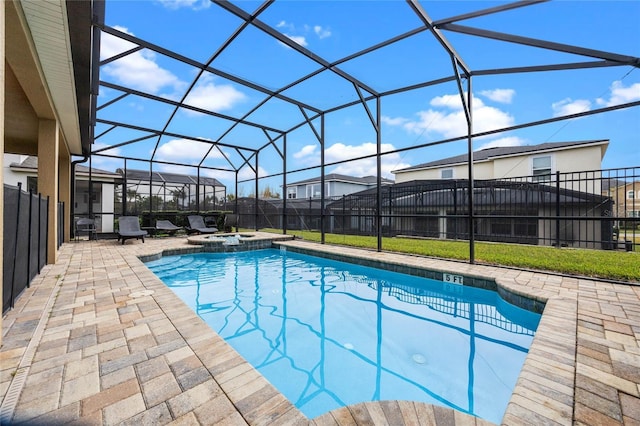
(329, 334)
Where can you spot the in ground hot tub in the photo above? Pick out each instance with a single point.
(238, 241)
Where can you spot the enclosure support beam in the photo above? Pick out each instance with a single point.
(90, 202)
(379, 173)
(284, 184)
(322, 177)
(236, 200)
(198, 190)
(257, 189)
(125, 194)
(543, 44)
(470, 165)
(150, 189)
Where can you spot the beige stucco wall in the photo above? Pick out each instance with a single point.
(48, 151)
(11, 177)
(2, 92)
(481, 170)
(622, 203)
(566, 161)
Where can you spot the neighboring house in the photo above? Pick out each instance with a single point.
(626, 196)
(336, 185)
(24, 169)
(515, 184)
(540, 162)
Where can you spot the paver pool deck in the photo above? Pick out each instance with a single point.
(98, 339)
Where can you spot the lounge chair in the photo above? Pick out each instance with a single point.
(196, 224)
(85, 226)
(167, 226)
(129, 227)
(230, 220)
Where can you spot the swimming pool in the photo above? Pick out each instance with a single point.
(328, 334)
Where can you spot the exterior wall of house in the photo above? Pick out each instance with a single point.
(10, 176)
(334, 189)
(625, 205)
(566, 161)
(103, 202)
(483, 170)
(104, 198)
(108, 198)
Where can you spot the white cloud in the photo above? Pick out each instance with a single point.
(301, 40)
(568, 106)
(453, 123)
(285, 24)
(174, 168)
(113, 151)
(366, 167)
(621, 94)
(298, 34)
(508, 141)
(192, 4)
(137, 70)
(321, 32)
(504, 96)
(207, 95)
(105, 163)
(306, 151)
(185, 150)
(247, 173)
(448, 101)
(398, 121)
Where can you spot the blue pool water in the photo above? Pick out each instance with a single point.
(329, 334)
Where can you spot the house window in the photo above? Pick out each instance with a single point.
(32, 184)
(541, 168)
(313, 191)
(292, 192)
(633, 213)
(630, 195)
(446, 174)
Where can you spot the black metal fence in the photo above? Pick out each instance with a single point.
(61, 228)
(593, 209)
(25, 241)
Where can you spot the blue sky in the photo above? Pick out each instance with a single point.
(334, 30)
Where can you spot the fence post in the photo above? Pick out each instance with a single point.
(29, 235)
(15, 250)
(344, 202)
(46, 233)
(558, 209)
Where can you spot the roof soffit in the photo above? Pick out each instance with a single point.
(46, 24)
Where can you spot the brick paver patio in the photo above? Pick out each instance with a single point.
(98, 339)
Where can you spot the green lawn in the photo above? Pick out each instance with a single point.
(616, 265)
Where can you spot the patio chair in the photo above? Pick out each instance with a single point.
(167, 226)
(196, 224)
(230, 221)
(86, 226)
(129, 227)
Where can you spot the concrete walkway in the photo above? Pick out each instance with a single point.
(98, 339)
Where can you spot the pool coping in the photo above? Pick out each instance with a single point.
(538, 397)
